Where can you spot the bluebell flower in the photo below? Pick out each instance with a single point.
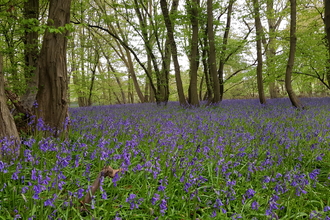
(163, 206)
(218, 203)
(314, 173)
(249, 193)
(213, 214)
(155, 198)
(133, 201)
(255, 205)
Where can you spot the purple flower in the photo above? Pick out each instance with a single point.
(14, 176)
(80, 193)
(326, 208)
(214, 214)
(155, 198)
(163, 206)
(315, 215)
(314, 173)
(133, 201)
(2, 167)
(255, 205)
(50, 202)
(249, 193)
(218, 203)
(161, 188)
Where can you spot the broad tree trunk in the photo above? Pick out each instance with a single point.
(212, 59)
(293, 42)
(52, 93)
(259, 33)
(170, 35)
(194, 57)
(7, 125)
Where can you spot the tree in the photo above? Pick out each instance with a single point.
(31, 52)
(53, 85)
(293, 42)
(212, 56)
(8, 128)
(170, 35)
(259, 34)
(194, 53)
(224, 47)
(327, 31)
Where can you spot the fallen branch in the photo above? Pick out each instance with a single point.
(107, 171)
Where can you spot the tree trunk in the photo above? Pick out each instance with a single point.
(31, 11)
(293, 41)
(327, 31)
(206, 69)
(271, 45)
(7, 125)
(212, 59)
(90, 102)
(169, 28)
(224, 48)
(52, 93)
(259, 33)
(193, 92)
(130, 66)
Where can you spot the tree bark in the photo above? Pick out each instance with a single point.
(7, 125)
(130, 67)
(224, 48)
(193, 92)
(212, 59)
(52, 93)
(170, 28)
(327, 31)
(259, 32)
(293, 42)
(31, 52)
(273, 24)
(206, 69)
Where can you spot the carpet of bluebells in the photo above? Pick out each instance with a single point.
(235, 160)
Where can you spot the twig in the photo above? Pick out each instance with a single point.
(106, 171)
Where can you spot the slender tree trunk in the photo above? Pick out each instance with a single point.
(293, 42)
(7, 125)
(90, 102)
(193, 91)
(224, 48)
(259, 33)
(169, 28)
(133, 75)
(206, 69)
(52, 93)
(31, 11)
(327, 31)
(271, 46)
(111, 68)
(201, 88)
(164, 89)
(212, 59)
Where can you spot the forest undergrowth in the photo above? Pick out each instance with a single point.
(235, 160)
